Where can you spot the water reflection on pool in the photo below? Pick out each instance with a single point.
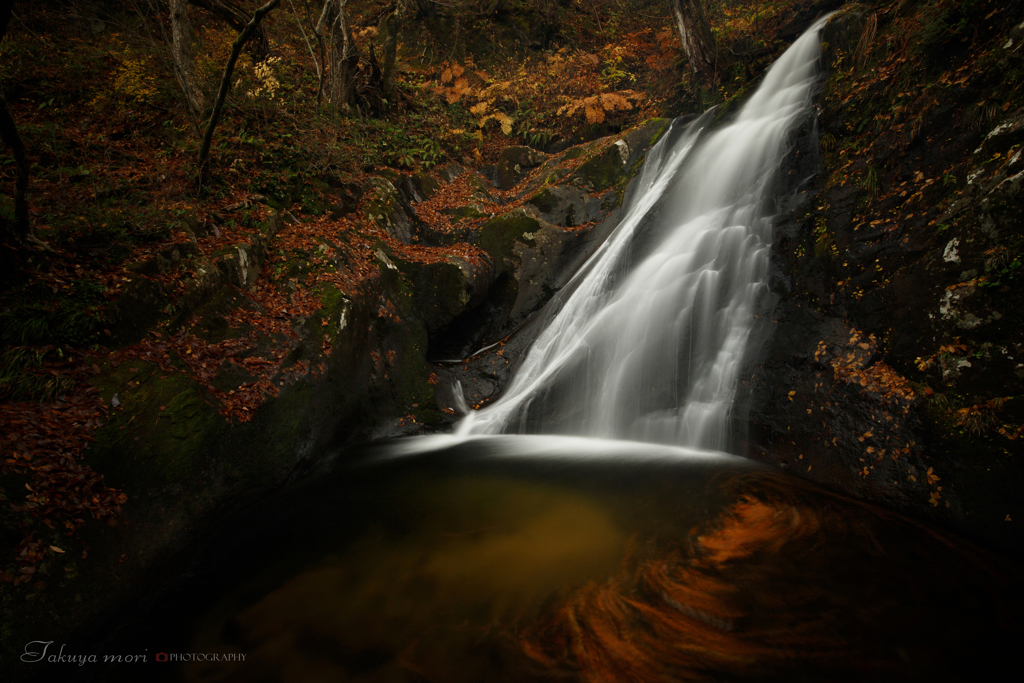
(542, 558)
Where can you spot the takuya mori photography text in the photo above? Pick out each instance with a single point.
(44, 651)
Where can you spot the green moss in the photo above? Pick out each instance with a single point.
(499, 235)
(403, 339)
(424, 185)
(481, 188)
(545, 200)
(603, 171)
(384, 204)
(162, 433)
(333, 301)
(725, 109)
(660, 126)
(466, 212)
(410, 370)
(211, 323)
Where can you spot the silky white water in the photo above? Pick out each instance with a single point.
(649, 341)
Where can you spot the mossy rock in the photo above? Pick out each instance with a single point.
(499, 235)
(571, 154)
(390, 211)
(211, 324)
(418, 187)
(843, 30)
(643, 138)
(162, 432)
(471, 212)
(605, 170)
(481, 189)
(565, 205)
(165, 261)
(514, 163)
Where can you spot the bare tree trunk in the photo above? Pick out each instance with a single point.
(391, 27)
(9, 132)
(344, 54)
(225, 83)
(11, 138)
(184, 60)
(695, 35)
(236, 17)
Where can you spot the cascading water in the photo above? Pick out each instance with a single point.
(649, 342)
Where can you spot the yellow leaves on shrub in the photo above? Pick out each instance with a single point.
(595, 106)
(452, 72)
(458, 90)
(454, 84)
(594, 113)
(502, 118)
(134, 81)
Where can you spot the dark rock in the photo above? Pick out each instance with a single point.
(471, 212)
(417, 188)
(346, 198)
(442, 291)
(137, 309)
(241, 265)
(166, 260)
(450, 172)
(919, 274)
(391, 212)
(514, 164)
(605, 170)
(231, 376)
(481, 189)
(566, 206)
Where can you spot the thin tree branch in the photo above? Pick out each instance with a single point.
(225, 83)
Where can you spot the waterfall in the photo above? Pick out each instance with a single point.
(647, 341)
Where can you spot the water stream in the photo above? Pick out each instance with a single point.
(649, 343)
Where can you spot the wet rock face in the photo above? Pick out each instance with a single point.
(919, 261)
(535, 249)
(442, 291)
(826, 406)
